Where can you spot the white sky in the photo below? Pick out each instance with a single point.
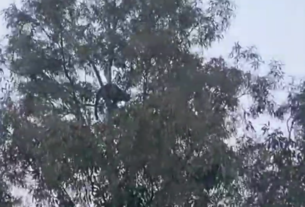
(275, 27)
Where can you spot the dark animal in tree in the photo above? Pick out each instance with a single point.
(211, 178)
(112, 95)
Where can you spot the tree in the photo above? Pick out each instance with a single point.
(275, 176)
(6, 197)
(167, 145)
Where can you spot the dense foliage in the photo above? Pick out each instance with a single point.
(168, 145)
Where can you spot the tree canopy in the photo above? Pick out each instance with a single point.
(167, 145)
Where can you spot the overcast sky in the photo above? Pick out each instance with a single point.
(275, 27)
